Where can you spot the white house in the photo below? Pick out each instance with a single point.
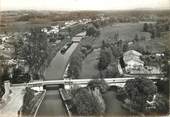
(132, 60)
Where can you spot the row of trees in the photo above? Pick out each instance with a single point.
(75, 65)
(81, 52)
(153, 29)
(107, 61)
(88, 101)
(156, 29)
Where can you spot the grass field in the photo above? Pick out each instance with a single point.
(156, 45)
(89, 67)
(127, 32)
(165, 40)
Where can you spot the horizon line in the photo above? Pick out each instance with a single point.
(135, 9)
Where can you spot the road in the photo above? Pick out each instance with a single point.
(52, 105)
(14, 103)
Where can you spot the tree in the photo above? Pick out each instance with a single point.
(34, 49)
(19, 76)
(125, 47)
(85, 103)
(140, 90)
(29, 100)
(99, 83)
(92, 31)
(163, 87)
(18, 47)
(145, 27)
(0, 41)
(153, 33)
(116, 36)
(136, 38)
(111, 71)
(104, 60)
(2, 90)
(162, 105)
(116, 51)
(96, 24)
(75, 65)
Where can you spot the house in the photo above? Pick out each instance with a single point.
(132, 60)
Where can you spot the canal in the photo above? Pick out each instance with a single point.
(57, 66)
(52, 105)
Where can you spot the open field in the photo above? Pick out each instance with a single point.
(126, 31)
(165, 40)
(89, 68)
(156, 45)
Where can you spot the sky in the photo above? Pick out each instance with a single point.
(83, 4)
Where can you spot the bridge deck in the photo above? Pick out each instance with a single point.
(83, 81)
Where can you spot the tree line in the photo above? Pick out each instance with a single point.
(139, 91)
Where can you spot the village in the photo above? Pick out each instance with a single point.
(101, 63)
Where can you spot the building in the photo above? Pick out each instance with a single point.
(132, 60)
(76, 39)
(82, 34)
(79, 36)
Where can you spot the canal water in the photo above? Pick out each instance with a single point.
(57, 66)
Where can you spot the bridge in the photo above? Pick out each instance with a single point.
(84, 82)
